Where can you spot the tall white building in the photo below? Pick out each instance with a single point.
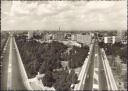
(109, 39)
(81, 38)
(30, 34)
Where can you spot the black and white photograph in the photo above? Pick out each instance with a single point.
(63, 45)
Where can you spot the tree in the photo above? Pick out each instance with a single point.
(123, 55)
(43, 68)
(78, 56)
(45, 57)
(101, 44)
(119, 69)
(72, 77)
(63, 87)
(61, 83)
(48, 79)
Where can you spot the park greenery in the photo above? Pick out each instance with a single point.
(116, 49)
(46, 58)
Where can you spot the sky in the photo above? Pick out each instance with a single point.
(68, 15)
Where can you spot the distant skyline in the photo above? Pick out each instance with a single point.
(68, 15)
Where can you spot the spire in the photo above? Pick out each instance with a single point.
(59, 28)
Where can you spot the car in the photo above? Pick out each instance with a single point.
(72, 86)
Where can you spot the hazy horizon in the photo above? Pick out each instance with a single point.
(65, 30)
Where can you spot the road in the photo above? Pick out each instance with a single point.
(96, 77)
(11, 77)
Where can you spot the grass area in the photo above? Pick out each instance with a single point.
(119, 76)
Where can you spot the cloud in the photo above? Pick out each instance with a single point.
(19, 7)
(81, 15)
(53, 8)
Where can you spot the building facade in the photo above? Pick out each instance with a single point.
(81, 38)
(59, 36)
(109, 39)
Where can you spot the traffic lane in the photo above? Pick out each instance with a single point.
(17, 83)
(102, 77)
(89, 78)
(103, 82)
(4, 70)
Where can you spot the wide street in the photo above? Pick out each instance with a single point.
(96, 76)
(11, 77)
